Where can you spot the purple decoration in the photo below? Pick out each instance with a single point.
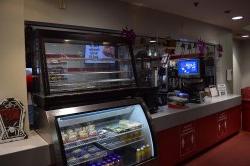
(129, 35)
(201, 46)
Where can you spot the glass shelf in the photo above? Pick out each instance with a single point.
(90, 82)
(119, 144)
(59, 86)
(81, 160)
(66, 59)
(93, 72)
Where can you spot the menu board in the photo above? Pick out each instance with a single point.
(99, 54)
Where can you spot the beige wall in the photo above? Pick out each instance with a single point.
(226, 62)
(237, 73)
(244, 58)
(241, 59)
(110, 14)
(12, 57)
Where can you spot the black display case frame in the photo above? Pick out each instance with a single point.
(39, 32)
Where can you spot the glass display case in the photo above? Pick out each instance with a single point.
(108, 134)
(70, 62)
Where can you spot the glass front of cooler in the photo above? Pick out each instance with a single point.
(84, 65)
(109, 137)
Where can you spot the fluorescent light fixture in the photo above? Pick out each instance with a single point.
(152, 41)
(245, 36)
(66, 40)
(237, 18)
(105, 43)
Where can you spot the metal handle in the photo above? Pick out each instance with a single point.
(192, 139)
(182, 143)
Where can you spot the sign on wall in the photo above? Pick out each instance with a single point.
(11, 120)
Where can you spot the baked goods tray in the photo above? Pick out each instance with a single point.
(99, 138)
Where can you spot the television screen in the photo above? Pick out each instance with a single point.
(188, 67)
(99, 54)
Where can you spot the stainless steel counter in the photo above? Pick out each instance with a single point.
(169, 117)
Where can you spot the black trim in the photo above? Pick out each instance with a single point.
(133, 59)
(59, 136)
(72, 27)
(64, 100)
(87, 36)
(44, 68)
(51, 35)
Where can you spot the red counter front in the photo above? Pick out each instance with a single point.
(182, 142)
(246, 115)
(245, 108)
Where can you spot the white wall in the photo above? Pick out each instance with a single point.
(245, 63)
(237, 73)
(12, 57)
(241, 59)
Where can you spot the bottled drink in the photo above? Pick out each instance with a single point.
(104, 163)
(109, 162)
(149, 153)
(142, 153)
(138, 155)
(119, 160)
(114, 160)
(99, 164)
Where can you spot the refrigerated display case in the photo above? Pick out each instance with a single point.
(72, 67)
(69, 62)
(115, 134)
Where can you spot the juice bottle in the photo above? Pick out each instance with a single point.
(119, 160)
(109, 162)
(138, 155)
(143, 153)
(104, 163)
(149, 151)
(99, 164)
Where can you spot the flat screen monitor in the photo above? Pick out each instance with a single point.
(99, 54)
(189, 68)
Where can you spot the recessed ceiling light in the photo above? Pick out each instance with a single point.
(152, 41)
(245, 36)
(66, 40)
(237, 18)
(105, 43)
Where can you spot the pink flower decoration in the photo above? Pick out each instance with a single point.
(129, 35)
(201, 46)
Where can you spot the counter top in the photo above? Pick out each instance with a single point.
(28, 152)
(169, 117)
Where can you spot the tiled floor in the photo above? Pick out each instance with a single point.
(233, 152)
